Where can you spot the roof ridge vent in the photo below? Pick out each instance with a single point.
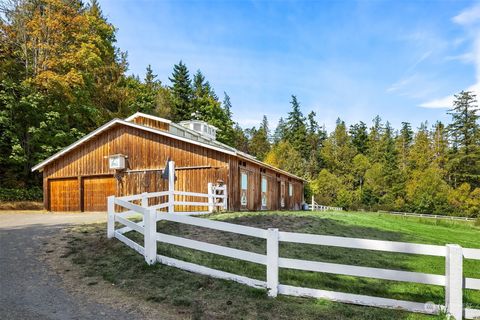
(205, 129)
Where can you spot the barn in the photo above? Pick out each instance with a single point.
(125, 157)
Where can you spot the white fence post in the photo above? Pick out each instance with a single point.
(171, 186)
(210, 197)
(454, 281)
(272, 262)
(150, 236)
(111, 217)
(225, 199)
(145, 200)
(144, 204)
(313, 205)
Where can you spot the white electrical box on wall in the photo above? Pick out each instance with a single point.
(116, 161)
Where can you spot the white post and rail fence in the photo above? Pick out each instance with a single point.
(453, 280)
(314, 206)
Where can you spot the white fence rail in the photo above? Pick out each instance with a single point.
(453, 279)
(318, 207)
(426, 215)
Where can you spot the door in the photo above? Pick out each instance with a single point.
(95, 192)
(64, 195)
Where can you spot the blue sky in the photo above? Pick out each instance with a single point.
(401, 60)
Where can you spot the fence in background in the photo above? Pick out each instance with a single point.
(453, 280)
(425, 215)
(318, 207)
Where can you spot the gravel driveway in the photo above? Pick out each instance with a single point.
(28, 288)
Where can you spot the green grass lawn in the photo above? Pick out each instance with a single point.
(204, 297)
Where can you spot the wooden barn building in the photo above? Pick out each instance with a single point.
(81, 176)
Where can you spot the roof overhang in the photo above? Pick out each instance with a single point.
(129, 124)
(248, 157)
(148, 116)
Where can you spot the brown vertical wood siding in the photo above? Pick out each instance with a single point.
(147, 154)
(151, 123)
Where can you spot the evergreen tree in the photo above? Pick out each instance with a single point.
(394, 180)
(240, 139)
(404, 142)
(150, 78)
(182, 93)
(440, 144)
(421, 153)
(338, 152)
(315, 138)
(227, 105)
(227, 134)
(145, 98)
(202, 88)
(259, 144)
(296, 130)
(359, 136)
(464, 132)
(374, 146)
(280, 131)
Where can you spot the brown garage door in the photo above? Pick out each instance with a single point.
(64, 195)
(95, 192)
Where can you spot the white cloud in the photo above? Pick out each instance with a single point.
(468, 57)
(447, 102)
(468, 16)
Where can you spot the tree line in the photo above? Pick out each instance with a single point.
(433, 169)
(62, 76)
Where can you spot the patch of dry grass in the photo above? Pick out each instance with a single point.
(21, 205)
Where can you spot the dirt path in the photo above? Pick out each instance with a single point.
(29, 289)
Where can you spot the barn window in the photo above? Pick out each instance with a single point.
(243, 187)
(264, 192)
(290, 189)
(197, 127)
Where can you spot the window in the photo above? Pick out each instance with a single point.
(264, 184)
(264, 193)
(244, 180)
(290, 189)
(243, 187)
(197, 127)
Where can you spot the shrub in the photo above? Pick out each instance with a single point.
(31, 194)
